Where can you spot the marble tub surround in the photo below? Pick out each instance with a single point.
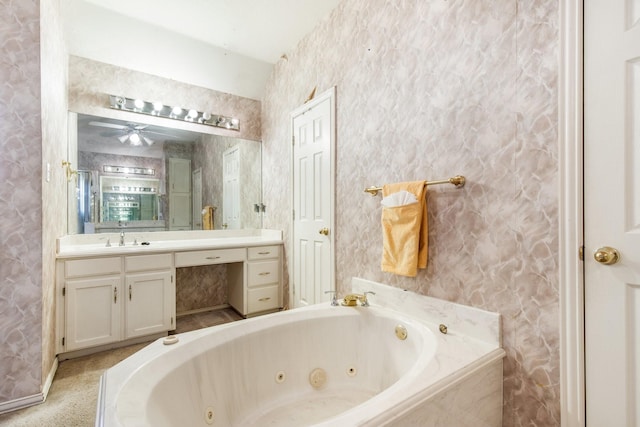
(257, 372)
(459, 319)
(79, 245)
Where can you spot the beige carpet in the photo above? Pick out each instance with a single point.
(73, 395)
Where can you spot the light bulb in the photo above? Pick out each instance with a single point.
(134, 138)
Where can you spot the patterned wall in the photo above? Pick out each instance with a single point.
(90, 81)
(426, 90)
(20, 200)
(54, 149)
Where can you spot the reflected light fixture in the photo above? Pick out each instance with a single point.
(135, 137)
(176, 113)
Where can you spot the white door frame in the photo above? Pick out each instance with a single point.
(196, 199)
(331, 95)
(570, 174)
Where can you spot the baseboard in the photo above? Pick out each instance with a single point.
(90, 350)
(35, 399)
(21, 403)
(47, 383)
(203, 310)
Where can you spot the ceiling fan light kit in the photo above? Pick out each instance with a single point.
(176, 112)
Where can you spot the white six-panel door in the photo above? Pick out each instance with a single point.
(612, 212)
(313, 200)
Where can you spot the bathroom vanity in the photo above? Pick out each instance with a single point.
(111, 294)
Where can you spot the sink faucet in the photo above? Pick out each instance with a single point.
(121, 239)
(351, 300)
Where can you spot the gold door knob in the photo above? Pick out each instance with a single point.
(324, 231)
(607, 255)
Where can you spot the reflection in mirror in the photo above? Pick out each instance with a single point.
(141, 177)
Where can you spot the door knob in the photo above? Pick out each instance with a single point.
(607, 255)
(324, 231)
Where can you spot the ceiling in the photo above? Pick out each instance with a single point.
(259, 29)
(225, 45)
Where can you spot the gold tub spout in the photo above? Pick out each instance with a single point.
(351, 300)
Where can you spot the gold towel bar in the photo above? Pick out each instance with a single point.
(457, 180)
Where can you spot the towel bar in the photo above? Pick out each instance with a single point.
(457, 180)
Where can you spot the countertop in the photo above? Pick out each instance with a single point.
(88, 245)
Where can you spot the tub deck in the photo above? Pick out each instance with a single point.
(261, 371)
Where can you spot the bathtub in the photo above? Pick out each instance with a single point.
(406, 359)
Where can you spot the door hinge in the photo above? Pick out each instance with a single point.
(293, 214)
(172, 278)
(293, 140)
(63, 341)
(171, 320)
(581, 253)
(64, 291)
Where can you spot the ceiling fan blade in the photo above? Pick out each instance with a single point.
(164, 134)
(111, 133)
(108, 125)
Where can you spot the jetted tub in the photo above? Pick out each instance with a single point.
(405, 360)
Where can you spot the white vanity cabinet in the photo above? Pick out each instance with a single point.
(256, 286)
(110, 299)
(92, 295)
(107, 295)
(150, 294)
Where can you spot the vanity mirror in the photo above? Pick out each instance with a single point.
(133, 176)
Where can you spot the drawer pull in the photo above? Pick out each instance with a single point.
(264, 299)
(264, 253)
(213, 257)
(264, 273)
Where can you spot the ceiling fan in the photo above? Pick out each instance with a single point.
(135, 133)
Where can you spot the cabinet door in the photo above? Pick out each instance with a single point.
(150, 303)
(179, 175)
(93, 312)
(180, 211)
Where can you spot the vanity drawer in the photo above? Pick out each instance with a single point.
(215, 256)
(92, 267)
(263, 272)
(262, 299)
(147, 262)
(262, 252)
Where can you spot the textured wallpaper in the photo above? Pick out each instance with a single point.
(427, 90)
(20, 201)
(54, 60)
(90, 82)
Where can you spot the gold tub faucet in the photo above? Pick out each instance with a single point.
(351, 300)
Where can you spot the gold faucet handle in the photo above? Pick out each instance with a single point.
(350, 300)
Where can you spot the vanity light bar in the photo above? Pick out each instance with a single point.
(128, 169)
(177, 113)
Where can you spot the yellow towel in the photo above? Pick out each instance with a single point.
(207, 217)
(405, 231)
